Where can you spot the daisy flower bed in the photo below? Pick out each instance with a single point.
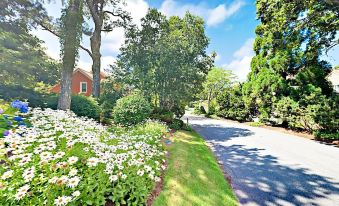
(62, 159)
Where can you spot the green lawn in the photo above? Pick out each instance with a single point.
(193, 176)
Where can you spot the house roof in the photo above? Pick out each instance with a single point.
(87, 73)
(334, 77)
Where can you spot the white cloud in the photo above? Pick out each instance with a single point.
(106, 61)
(112, 41)
(245, 50)
(137, 9)
(221, 12)
(212, 16)
(217, 57)
(174, 8)
(241, 65)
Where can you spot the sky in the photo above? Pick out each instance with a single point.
(229, 24)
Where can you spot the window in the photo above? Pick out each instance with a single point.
(336, 88)
(83, 87)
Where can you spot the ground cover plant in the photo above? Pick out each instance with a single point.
(63, 159)
(193, 176)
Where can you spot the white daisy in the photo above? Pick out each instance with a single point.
(73, 182)
(92, 162)
(7, 174)
(72, 160)
(113, 178)
(60, 201)
(140, 172)
(73, 172)
(76, 194)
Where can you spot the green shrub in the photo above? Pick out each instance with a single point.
(111, 92)
(325, 135)
(231, 105)
(35, 98)
(212, 107)
(162, 115)
(176, 124)
(199, 109)
(131, 110)
(256, 124)
(85, 106)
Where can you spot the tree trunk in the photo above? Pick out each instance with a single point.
(64, 102)
(209, 101)
(70, 47)
(96, 58)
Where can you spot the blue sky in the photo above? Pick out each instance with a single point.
(230, 27)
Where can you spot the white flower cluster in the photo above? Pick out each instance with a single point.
(58, 145)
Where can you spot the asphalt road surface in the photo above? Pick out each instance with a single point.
(272, 168)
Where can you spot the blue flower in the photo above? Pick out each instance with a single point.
(22, 123)
(24, 109)
(22, 106)
(9, 123)
(6, 132)
(16, 104)
(1, 111)
(17, 118)
(5, 116)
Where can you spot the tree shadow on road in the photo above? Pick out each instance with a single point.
(221, 133)
(260, 179)
(266, 182)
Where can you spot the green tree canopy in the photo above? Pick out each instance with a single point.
(217, 80)
(22, 58)
(166, 58)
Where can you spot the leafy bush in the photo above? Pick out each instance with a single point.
(131, 110)
(176, 124)
(35, 98)
(163, 115)
(199, 109)
(256, 124)
(212, 107)
(70, 160)
(325, 135)
(111, 92)
(85, 106)
(232, 106)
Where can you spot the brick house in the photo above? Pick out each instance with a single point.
(81, 82)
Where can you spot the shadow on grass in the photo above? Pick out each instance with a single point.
(261, 180)
(193, 176)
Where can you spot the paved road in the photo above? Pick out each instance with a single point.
(272, 168)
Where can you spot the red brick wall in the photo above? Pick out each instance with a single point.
(77, 78)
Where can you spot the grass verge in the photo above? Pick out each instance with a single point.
(193, 176)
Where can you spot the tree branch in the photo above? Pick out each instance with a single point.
(44, 27)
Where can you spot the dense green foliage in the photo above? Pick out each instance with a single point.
(199, 109)
(111, 92)
(34, 97)
(22, 58)
(231, 104)
(165, 59)
(162, 115)
(217, 80)
(131, 110)
(287, 84)
(81, 105)
(85, 106)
